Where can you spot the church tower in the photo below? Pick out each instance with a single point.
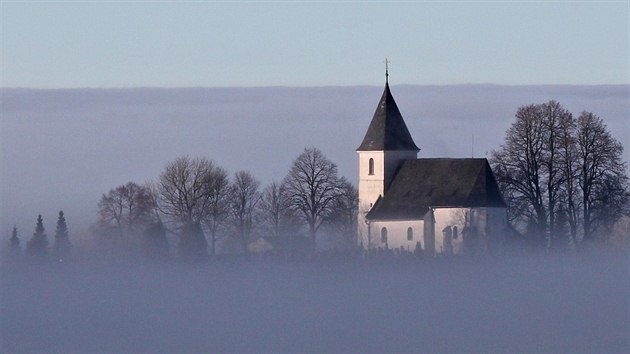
(385, 146)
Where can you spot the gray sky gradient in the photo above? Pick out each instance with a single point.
(217, 44)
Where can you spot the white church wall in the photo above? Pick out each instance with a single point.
(397, 234)
(489, 224)
(385, 164)
(453, 217)
(372, 184)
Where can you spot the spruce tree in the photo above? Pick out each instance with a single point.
(61, 247)
(38, 244)
(155, 241)
(14, 241)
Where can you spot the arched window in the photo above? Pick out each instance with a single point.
(384, 235)
(371, 167)
(409, 234)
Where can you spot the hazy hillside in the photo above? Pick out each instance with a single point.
(61, 149)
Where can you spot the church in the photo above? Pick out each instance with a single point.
(448, 206)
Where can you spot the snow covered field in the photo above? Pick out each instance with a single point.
(571, 303)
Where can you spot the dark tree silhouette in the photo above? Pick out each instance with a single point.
(128, 209)
(244, 196)
(192, 192)
(61, 247)
(14, 241)
(602, 176)
(278, 219)
(342, 221)
(192, 242)
(273, 204)
(312, 186)
(555, 118)
(155, 243)
(558, 173)
(568, 162)
(218, 205)
(38, 244)
(518, 165)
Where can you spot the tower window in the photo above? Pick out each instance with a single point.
(409, 234)
(371, 167)
(384, 235)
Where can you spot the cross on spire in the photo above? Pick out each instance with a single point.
(387, 69)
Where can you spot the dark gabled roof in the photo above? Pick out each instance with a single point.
(387, 130)
(423, 183)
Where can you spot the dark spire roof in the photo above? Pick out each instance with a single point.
(423, 183)
(387, 130)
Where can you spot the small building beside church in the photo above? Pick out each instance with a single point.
(447, 206)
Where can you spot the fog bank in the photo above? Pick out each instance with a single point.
(572, 303)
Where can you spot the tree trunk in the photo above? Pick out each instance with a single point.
(313, 233)
(213, 242)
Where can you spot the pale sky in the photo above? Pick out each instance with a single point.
(217, 44)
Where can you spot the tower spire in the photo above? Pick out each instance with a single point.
(387, 130)
(386, 70)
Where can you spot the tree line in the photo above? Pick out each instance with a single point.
(196, 200)
(38, 244)
(563, 177)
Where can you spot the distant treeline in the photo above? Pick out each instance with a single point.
(562, 177)
(209, 212)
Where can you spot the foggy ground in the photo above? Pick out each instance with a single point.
(571, 303)
(62, 149)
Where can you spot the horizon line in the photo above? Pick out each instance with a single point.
(301, 87)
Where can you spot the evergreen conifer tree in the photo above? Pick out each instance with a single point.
(38, 244)
(61, 247)
(155, 241)
(14, 241)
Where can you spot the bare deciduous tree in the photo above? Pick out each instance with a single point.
(343, 219)
(278, 219)
(127, 208)
(568, 162)
(312, 186)
(244, 196)
(218, 205)
(554, 118)
(273, 206)
(602, 179)
(186, 195)
(519, 166)
(556, 171)
(183, 189)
